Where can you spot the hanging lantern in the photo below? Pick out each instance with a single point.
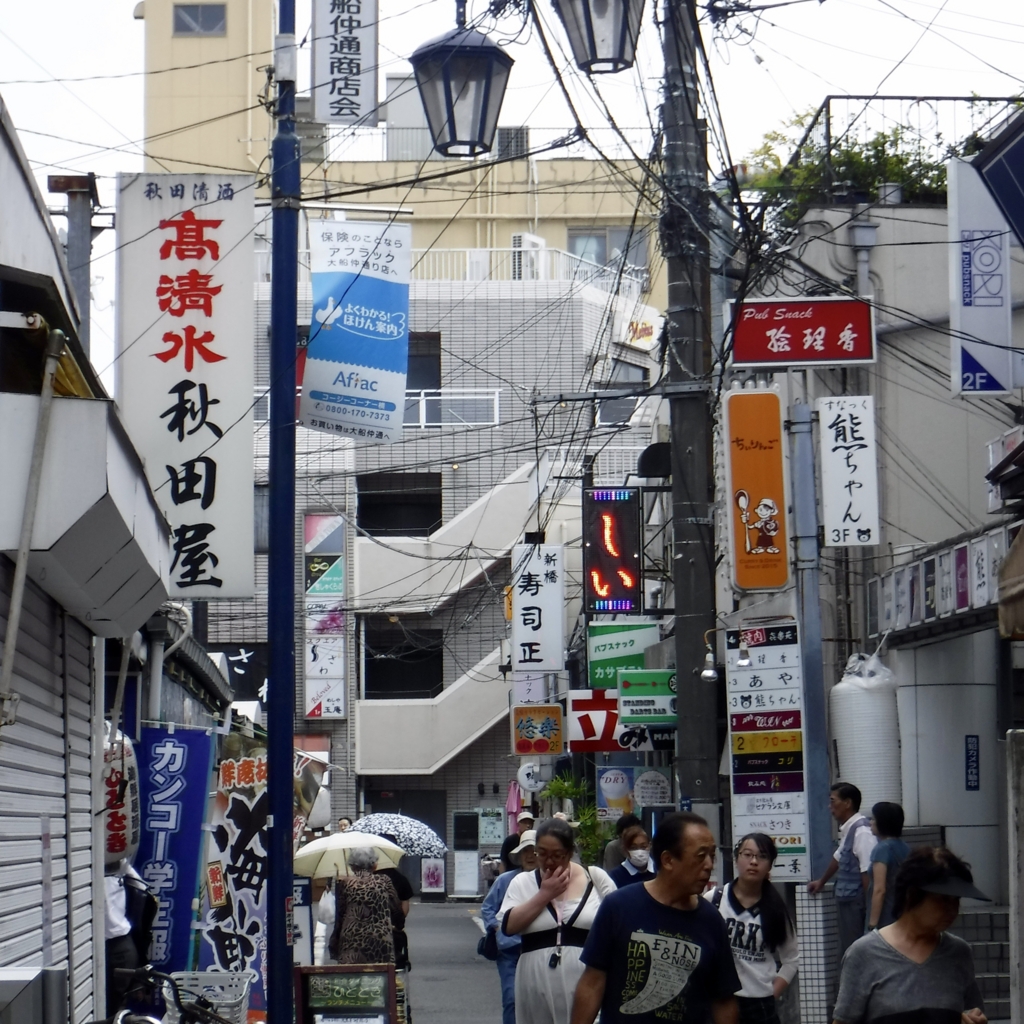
(602, 33)
(461, 77)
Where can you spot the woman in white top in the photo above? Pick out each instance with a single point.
(760, 929)
(552, 908)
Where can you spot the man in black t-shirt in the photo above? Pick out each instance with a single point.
(523, 824)
(657, 953)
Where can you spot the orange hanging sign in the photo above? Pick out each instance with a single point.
(758, 532)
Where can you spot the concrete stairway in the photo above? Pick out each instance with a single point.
(988, 932)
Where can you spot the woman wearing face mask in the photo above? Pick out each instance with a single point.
(636, 844)
(760, 930)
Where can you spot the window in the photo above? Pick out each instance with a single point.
(424, 375)
(402, 659)
(605, 246)
(617, 411)
(399, 504)
(200, 19)
(261, 518)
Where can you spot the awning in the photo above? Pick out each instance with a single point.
(1011, 590)
(100, 546)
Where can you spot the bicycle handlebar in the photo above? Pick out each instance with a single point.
(189, 1011)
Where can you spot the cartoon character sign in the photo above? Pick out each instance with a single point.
(755, 470)
(766, 525)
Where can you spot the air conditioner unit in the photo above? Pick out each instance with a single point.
(528, 262)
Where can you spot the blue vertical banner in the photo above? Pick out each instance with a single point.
(174, 782)
(353, 381)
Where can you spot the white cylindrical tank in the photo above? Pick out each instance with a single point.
(865, 730)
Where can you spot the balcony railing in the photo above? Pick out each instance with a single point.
(454, 407)
(502, 265)
(423, 409)
(380, 143)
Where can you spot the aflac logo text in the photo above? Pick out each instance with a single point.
(353, 381)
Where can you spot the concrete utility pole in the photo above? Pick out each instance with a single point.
(82, 197)
(684, 241)
(285, 196)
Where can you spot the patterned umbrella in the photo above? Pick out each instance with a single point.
(417, 839)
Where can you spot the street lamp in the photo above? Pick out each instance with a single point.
(602, 33)
(461, 77)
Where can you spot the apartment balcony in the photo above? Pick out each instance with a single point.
(526, 265)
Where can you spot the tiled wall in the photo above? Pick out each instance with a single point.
(819, 954)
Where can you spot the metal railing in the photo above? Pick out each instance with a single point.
(380, 143)
(455, 407)
(503, 265)
(447, 407)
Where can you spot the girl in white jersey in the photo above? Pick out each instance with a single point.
(760, 930)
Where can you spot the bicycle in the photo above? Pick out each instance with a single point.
(196, 1012)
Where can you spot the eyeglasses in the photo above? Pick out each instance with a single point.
(747, 855)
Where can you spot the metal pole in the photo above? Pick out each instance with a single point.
(817, 774)
(79, 257)
(684, 229)
(281, 562)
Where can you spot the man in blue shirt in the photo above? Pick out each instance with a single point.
(509, 946)
(657, 953)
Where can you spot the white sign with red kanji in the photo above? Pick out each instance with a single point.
(595, 728)
(538, 608)
(185, 366)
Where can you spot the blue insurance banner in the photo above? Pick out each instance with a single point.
(174, 783)
(353, 380)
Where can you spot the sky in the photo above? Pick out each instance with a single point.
(767, 67)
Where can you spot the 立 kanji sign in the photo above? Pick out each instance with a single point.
(803, 332)
(185, 366)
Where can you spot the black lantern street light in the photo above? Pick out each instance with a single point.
(461, 77)
(602, 33)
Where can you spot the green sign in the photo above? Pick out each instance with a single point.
(615, 645)
(363, 992)
(647, 696)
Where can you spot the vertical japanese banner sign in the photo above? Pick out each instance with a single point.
(357, 358)
(756, 496)
(979, 287)
(849, 471)
(766, 742)
(325, 616)
(538, 608)
(185, 366)
(175, 782)
(233, 910)
(345, 61)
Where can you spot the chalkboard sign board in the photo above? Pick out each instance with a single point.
(350, 994)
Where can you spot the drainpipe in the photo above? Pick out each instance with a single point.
(54, 346)
(862, 239)
(159, 652)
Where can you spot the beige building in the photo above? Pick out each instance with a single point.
(206, 70)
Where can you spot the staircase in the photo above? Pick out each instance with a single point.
(988, 932)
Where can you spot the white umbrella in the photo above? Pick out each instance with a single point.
(327, 857)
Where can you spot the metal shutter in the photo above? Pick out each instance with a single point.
(52, 675)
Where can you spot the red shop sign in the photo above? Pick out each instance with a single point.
(803, 332)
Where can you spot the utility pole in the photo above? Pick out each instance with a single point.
(684, 241)
(285, 196)
(817, 770)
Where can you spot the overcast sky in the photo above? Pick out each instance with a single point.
(767, 69)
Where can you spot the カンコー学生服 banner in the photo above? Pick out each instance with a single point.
(354, 375)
